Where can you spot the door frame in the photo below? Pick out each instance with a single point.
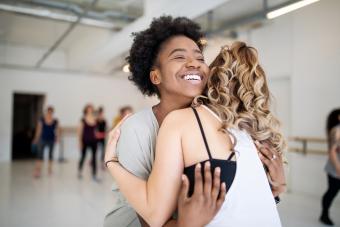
(21, 92)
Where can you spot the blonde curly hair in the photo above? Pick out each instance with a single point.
(237, 91)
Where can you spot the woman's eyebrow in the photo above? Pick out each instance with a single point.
(176, 50)
(184, 50)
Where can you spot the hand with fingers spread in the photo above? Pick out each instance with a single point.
(207, 199)
(273, 162)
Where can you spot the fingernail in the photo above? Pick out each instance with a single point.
(207, 164)
(218, 169)
(183, 177)
(198, 165)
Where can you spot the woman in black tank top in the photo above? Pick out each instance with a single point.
(228, 166)
(87, 140)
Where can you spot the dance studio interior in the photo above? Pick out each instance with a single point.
(63, 61)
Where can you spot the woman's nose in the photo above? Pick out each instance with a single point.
(193, 63)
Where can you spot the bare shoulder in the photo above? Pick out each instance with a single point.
(180, 116)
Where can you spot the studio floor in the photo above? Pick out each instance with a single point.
(63, 200)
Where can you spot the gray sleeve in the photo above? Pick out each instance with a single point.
(133, 150)
(122, 215)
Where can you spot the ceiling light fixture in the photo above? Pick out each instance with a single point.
(126, 68)
(289, 8)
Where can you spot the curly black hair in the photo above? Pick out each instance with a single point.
(147, 43)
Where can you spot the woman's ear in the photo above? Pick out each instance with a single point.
(155, 77)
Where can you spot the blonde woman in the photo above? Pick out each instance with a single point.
(218, 132)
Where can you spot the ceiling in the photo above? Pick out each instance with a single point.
(233, 10)
(17, 29)
(20, 29)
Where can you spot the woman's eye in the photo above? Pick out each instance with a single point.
(179, 57)
(200, 59)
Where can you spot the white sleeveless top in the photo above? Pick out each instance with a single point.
(249, 201)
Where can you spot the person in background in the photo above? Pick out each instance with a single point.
(101, 133)
(47, 134)
(333, 165)
(124, 111)
(87, 139)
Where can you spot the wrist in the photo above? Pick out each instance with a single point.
(182, 222)
(278, 185)
(111, 161)
(278, 190)
(281, 188)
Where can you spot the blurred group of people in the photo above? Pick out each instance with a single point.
(91, 134)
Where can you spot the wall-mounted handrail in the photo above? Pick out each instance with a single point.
(305, 142)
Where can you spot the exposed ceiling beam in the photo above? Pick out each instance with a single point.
(250, 18)
(64, 35)
(68, 12)
(77, 10)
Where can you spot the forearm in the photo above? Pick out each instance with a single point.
(80, 135)
(58, 134)
(36, 137)
(177, 223)
(80, 142)
(37, 134)
(136, 192)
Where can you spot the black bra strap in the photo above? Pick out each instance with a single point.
(202, 132)
(231, 156)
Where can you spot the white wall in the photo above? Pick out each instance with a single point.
(304, 47)
(68, 93)
(14, 54)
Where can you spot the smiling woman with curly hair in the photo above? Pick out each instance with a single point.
(148, 43)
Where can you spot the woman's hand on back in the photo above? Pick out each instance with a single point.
(207, 199)
(274, 163)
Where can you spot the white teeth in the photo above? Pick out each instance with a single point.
(192, 77)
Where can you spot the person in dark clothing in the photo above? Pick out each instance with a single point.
(101, 133)
(46, 135)
(87, 139)
(333, 165)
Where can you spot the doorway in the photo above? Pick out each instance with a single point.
(27, 109)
